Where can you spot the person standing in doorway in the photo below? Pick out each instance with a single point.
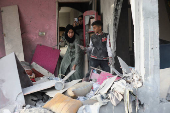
(100, 48)
(74, 57)
(79, 28)
(79, 24)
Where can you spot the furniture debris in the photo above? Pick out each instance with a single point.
(38, 69)
(53, 92)
(80, 89)
(63, 104)
(47, 57)
(39, 87)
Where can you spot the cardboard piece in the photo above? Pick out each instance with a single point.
(52, 92)
(38, 87)
(10, 87)
(11, 31)
(41, 70)
(46, 57)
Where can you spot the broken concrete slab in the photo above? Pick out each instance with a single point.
(39, 87)
(47, 57)
(10, 87)
(53, 92)
(11, 31)
(41, 70)
(36, 110)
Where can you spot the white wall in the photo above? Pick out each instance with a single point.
(107, 12)
(74, 14)
(64, 19)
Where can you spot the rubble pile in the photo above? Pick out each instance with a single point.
(48, 94)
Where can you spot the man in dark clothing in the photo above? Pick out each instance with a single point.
(79, 25)
(100, 48)
(79, 28)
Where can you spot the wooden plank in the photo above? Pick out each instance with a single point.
(12, 32)
(10, 87)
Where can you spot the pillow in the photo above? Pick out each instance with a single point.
(63, 104)
(80, 89)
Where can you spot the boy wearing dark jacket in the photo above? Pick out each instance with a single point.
(100, 48)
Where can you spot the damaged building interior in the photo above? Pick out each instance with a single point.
(84, 56)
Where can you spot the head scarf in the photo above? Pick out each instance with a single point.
(70, 40)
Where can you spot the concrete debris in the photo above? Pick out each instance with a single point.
(119, 86)
(168, 95)
(115, 98)
(96, 106)
(90, 108)
(36, 99)
(31, 100)
(105, 97)
(164, 82)
(36, 110)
